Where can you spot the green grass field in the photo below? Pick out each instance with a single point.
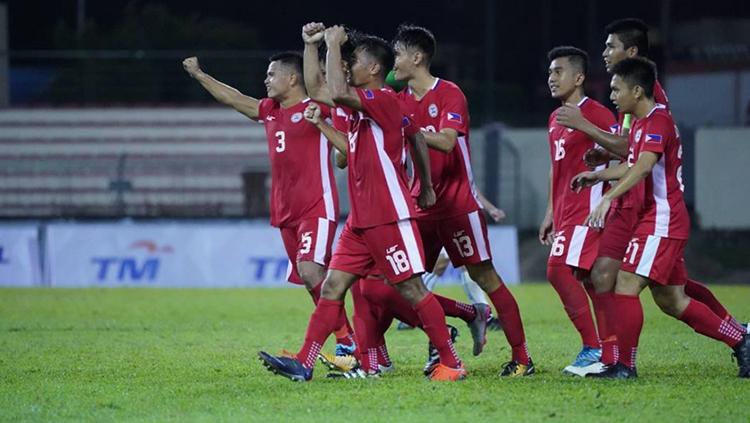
(190, 355)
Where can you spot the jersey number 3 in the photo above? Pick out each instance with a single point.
(280, 141)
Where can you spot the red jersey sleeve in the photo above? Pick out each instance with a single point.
(264, 106)
(455, 113)
(340, 118)
(656, 134)
(604, 119)
(409, 127)
(379, 104)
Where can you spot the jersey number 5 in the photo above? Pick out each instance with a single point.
(280, 141)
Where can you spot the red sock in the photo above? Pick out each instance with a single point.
(322, 323)
(390, 299)
(629, 325)
(383, 358)
(699, 317)
(453, 308)
(361, 319)
(700, 292)
(344, 332)
(604, 308)
(575, 302)
(433, 324)
(510, 318)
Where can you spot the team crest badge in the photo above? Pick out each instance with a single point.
(296, 117)
(638, 135)
(432, 110)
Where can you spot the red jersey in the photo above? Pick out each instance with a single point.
(634, 197)
(445, 106)
(378, 192)
(664, 213)
(302, 183)
(567, 147)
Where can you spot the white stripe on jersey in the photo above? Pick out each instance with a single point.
(321, 241)
(573, 258)
(648, 256)
(476, 229)
(412, 248)
(659, 178)
(391, 178)
(325, 164)
(467, 165)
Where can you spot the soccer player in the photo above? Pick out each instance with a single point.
(456, 222)
(574, 246)
(304, 200)
(380, 232)
(626, 38)
(654, 256)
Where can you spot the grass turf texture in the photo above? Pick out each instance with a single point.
(190, 355)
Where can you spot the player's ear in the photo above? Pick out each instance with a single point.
(418, 58)
(580, 78)
(632, 51)
(638, 92)
(374, 68)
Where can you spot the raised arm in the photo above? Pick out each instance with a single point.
(312, 35)
(341, 92)
(222, 92)
(570, 116)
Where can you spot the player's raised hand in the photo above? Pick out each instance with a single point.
(546, 231)
(596, 156)
(312, 33)
(335, 35)
(598, 216)
(427, 197)
(312, 113)
(569, 115)
(584, 180)
(191, 65)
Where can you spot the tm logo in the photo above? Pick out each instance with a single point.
(131, 268)
(269, 268)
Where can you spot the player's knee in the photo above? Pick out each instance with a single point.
(333, 289)
(484, 275)
(310, 273)
(603, 279)
(413, 290)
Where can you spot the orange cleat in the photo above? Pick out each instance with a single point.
(443, 372)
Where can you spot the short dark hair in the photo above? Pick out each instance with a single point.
(637, 71)
(632, 33)
(575, 55)
(290, 59)
(412, 36)
(379, 49)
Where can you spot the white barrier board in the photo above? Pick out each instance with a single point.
(194, 254)
(19, 256)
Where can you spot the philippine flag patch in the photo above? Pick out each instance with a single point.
(653, 138)
(455, 117)
(369, 94)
